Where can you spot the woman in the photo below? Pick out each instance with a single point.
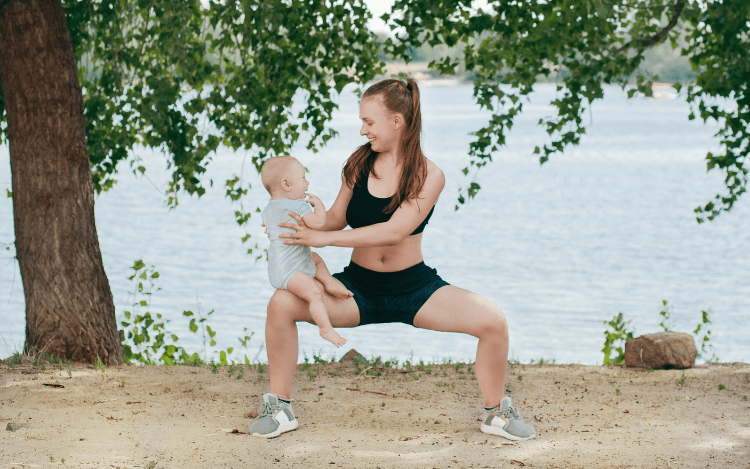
(388, 192)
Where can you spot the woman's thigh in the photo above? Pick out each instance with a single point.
(453, 309)
(342, 313)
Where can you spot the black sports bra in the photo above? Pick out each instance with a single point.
(365, 209)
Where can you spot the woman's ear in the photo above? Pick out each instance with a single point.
(398, 120)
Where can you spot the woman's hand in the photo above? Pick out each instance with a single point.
(303, 234)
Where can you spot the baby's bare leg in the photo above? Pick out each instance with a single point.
(331, 284)
(305, 287)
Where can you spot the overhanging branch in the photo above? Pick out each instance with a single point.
(644, 44)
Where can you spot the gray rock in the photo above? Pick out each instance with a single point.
(12, 427)
(351, 357)
(661, 350)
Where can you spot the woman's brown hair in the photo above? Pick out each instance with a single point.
(401, 97)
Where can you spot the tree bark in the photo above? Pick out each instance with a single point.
(69, 308)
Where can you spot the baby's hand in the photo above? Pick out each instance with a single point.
(266, 230)
(314, 201)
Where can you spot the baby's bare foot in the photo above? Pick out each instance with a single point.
(333, 337)
(338, 290)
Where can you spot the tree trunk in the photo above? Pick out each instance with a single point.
(69, 308)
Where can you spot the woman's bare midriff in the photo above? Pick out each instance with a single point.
(390, 258)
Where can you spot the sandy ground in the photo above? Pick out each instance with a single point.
(181, 417)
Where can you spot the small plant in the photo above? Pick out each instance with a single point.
(318, 358)
(722, 387)
(151, 465)
(51, 458)
(142, 335)
(99, 364)
(372, 410)
(382, 404)
(145, 338)
(520, 378)
(744, 397)
(214, 366)
(665, 313)
(122, 383)
(705, 341)
(681, 382)
(615, 338)
(617, 390)
(391, 363)
(70, 371)
(544, 361)
(15, 359)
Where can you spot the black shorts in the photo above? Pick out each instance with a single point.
(390, 296)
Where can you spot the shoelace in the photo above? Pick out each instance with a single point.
(267, 409)
(509, 410)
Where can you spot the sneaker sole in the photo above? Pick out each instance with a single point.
(500, 432)
(283, 428)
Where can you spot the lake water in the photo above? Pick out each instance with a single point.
(607, 227)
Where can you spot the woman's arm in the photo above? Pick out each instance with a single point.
(403, 222)
(336, 215)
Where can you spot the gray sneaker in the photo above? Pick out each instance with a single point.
(276, 417)
(504, 421)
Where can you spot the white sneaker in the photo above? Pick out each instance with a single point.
(504, 421)
(276, 417)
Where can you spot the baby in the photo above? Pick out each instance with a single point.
(293, 267)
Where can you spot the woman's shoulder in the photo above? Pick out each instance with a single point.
(435, 176)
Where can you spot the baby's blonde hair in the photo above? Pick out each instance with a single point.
(275, 169)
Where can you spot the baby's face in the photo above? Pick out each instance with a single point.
(297, 181)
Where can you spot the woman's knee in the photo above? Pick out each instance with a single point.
(495, 323)
(282, 305)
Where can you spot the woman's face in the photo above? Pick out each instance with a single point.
(382, 127)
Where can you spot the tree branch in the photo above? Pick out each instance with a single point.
(644, 44)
